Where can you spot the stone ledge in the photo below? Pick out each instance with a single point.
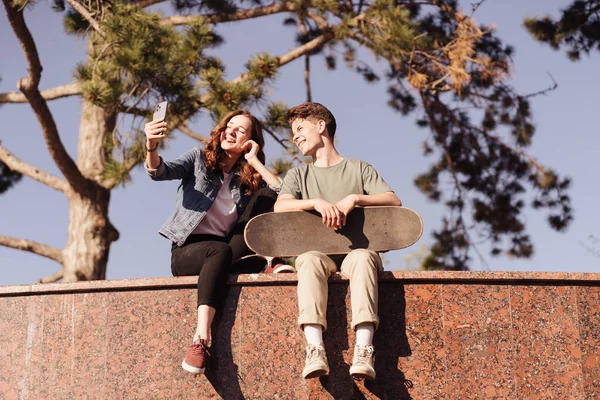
(443, 335)
(406, 277)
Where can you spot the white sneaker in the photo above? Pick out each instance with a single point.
(278, 266)
(316, 362)
(363, 363)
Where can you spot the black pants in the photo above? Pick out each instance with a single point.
(210, 257)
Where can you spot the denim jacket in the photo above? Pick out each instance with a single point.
(196, 193)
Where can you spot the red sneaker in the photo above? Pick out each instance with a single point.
(195, 358)
(277, 266)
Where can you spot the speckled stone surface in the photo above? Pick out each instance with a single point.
(443, 335)
(588, 307)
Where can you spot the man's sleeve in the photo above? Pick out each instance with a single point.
(291, 184)
(373, 183)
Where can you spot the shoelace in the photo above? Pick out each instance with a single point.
(200, 348)
(363, 354)
(313, 354)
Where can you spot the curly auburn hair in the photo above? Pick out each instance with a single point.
(249, 177)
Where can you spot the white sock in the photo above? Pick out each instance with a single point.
(364, 334)
(314, 334)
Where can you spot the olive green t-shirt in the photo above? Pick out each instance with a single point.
(333, 183)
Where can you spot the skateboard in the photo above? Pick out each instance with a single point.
(289, 234)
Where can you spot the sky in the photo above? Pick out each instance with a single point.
(567, 139)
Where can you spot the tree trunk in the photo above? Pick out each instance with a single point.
(90, 230)
(90, 236)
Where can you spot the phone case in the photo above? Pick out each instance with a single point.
(160, 113)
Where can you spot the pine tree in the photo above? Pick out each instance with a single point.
(577, 29)
(438, 62)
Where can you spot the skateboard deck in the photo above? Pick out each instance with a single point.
(289, 234)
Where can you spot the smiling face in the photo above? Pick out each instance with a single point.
(307, 134)
(235, 134)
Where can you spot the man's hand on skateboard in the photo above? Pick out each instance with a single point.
(346, 205)
(332, 216)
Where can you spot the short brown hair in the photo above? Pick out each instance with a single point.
(314, 112)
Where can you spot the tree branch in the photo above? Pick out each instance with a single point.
(134, 110)
(34, 247)
(70, 89)
(515, 150)
(53, 278)
(544, 91)
(282, 142)
(475, 6)
(29, 86)
(110, 184)
(307, 77)
(27, 169)
(240, 15)
(183, 127)
(87, 16)
(144, 3)
(17, 22)
(306, 63)
(285, 59)
(323, 24)
(305, 48)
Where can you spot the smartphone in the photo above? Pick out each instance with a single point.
(160, 113)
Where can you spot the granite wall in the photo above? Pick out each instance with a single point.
(443, 335)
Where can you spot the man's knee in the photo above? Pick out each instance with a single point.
(310, 257)
(313, 260)
(365, 257)
(361, 262)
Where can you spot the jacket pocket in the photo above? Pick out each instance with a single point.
(202, 182)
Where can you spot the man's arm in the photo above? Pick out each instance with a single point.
(287, 202)
(332, 216)
(381, 199)
(288, 199)
(378, 192)
(346, 205)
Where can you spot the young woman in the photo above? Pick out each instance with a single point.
(222, 187)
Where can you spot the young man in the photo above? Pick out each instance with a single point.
(333, 186)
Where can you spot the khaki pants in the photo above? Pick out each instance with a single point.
(359, 266)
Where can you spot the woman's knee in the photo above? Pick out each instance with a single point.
(221, 251)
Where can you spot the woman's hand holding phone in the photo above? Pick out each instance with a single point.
(155, 131)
